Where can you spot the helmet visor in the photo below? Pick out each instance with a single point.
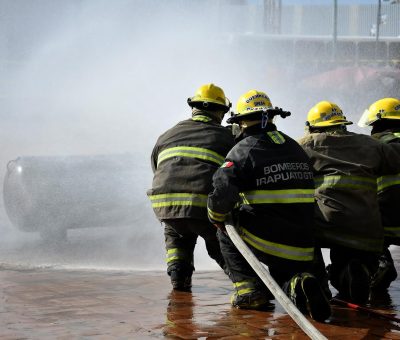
(364, 121)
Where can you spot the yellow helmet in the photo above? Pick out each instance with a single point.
(386, 108)
(210, 96)
(250, 105)
(325, 114)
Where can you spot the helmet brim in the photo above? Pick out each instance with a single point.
(254, 115)
(257, 115)
(336, 122)
(209, 105)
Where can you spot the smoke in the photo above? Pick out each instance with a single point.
(85, 78)
(101, 78)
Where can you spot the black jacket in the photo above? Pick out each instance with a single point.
(183, 160)
(270, 176)
(389, 194)
(346, 167)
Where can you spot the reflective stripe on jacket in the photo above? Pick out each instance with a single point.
(348, 182)
(278, 249)
(178, 199)
(191, 152)
(278, 196)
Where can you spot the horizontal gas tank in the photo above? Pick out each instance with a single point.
(53, 194)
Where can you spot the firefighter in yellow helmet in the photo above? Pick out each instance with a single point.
(347, 219)
(183, 160)
(267, 184)
(384, 118)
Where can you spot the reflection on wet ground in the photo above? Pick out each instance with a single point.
(65, 304)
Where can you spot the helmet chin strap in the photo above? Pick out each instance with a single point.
(264, 119)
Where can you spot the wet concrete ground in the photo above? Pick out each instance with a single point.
(69, 304)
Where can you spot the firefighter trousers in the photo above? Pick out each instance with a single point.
(239, 270)
(180, 240)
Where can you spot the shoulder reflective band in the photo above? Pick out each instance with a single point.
(397, 134)
(191, 152)
(276, 137)
(351, 182)
(165, 200)
(392, 231)
(201, 118)
(244, 287)
(388, 181)
(278, 196)
(216, 216)
(278, 249)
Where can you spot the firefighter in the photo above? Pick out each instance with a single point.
(183, 160)
(267, 184)
(347, 219)
(384, 118)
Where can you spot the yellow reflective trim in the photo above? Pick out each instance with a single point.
(278, 249)
(175, 203)
(175, 254)
(278, 196)
(244, 287)
(176, 194)
(190, 152)
(392, 231)
(216, 216)
(244, 283)
(388, 181)
(355, 182)
(201, 118)
(276, 137)
(245, 291)
(174, 199)
(169, 259)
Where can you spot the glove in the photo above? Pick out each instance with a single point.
(220, 226)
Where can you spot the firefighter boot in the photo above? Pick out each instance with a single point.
(354, 282)
(181, 280)
(385, 274)
(306, 293)
(251, 294)
(259, 300)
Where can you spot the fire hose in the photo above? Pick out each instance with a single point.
(271, 284)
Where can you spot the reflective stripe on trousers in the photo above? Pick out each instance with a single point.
(392, 231)
(351, 182)
(184, 199)
(278, 249)
(177, 254)
(216, 216)
(191, 152)
(278, 196)
(245, 287)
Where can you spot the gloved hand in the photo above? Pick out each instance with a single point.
(220, 226)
